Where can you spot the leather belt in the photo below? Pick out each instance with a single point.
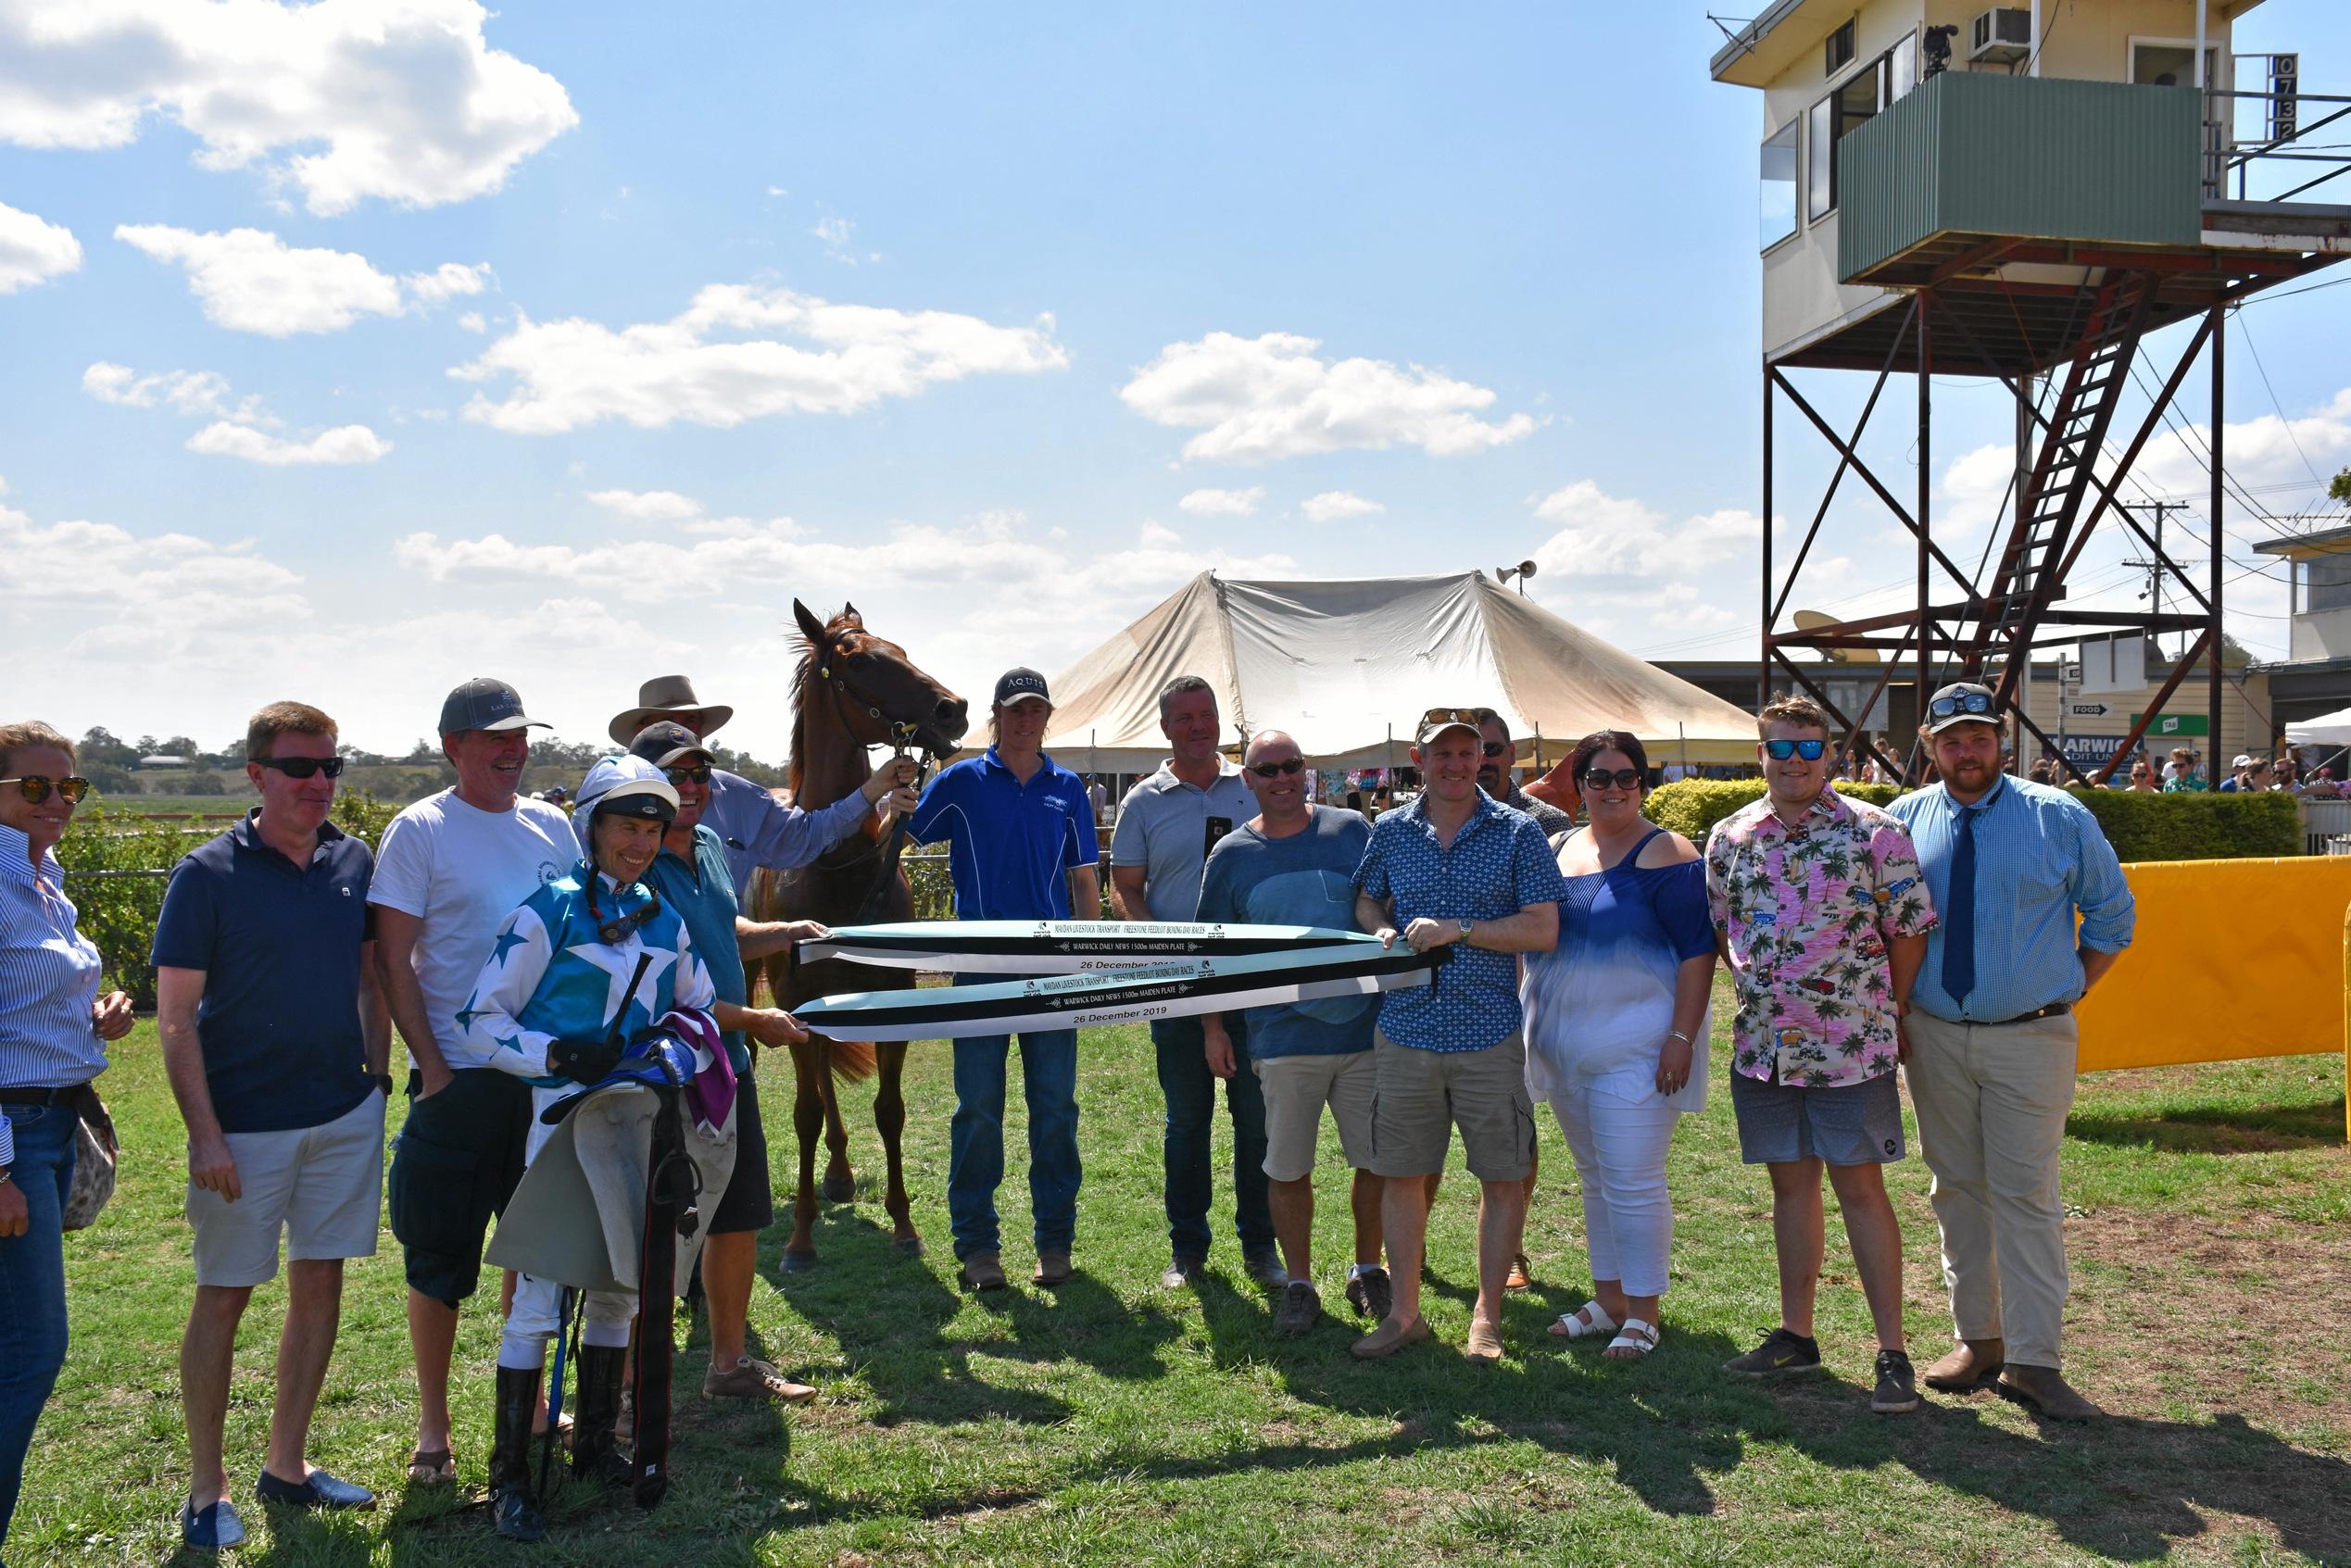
(2053, 1010)
(63, 1095)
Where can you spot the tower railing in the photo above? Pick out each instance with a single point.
(2226, 156)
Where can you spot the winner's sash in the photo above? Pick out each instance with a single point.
(1123, 995)
(1067, 946)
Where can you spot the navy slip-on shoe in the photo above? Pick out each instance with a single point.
(321, 1490)
(212, 1527)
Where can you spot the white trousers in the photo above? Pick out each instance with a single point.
(1619, 1144)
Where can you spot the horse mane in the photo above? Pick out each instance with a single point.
(804, 693)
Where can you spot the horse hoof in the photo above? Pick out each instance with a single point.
(908, 1247)
(798, 1262)
(838, 1190)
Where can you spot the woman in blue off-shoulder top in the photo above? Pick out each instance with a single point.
(1616, 1024)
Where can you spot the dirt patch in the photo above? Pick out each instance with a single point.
(2248, 1317)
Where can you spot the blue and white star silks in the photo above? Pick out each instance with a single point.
(551, 975)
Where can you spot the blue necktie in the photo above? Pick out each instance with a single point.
(1959, 917)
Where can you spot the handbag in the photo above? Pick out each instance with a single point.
(95, 1151)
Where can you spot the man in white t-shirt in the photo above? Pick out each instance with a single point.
(450, 870)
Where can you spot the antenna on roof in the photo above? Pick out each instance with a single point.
(1523, 571)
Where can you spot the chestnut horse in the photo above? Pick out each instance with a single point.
(853, 690)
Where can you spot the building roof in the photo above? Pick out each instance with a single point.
(2318, 542)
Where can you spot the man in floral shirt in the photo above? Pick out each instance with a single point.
(1823, 917)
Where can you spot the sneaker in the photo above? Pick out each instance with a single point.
(1897, 1389)
(1182, 1272)
(319, 1490)
(1299, 1311)
(1369, 1291)
(212, 1527)
(1779, 1352)
(751, 1378)
(1266, 1269)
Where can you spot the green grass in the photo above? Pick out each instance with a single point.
(1110, 1423)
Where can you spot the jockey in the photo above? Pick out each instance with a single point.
(588, 962)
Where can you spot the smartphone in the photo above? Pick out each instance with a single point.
(1217, 828)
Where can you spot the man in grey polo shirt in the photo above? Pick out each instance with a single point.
(1166, 826)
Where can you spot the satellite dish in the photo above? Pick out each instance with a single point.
(1813, 621)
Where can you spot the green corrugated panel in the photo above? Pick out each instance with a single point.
(2041, 156)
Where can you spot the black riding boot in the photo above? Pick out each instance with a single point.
(592, 1436)
(510, 1506)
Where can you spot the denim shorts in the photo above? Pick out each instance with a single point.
(1851, 1124)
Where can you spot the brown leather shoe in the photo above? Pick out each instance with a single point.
(2042, 1391)
(1522, 1273)
(1388, 1338)
(1053, 1268)
(1970, 1366)
(982, 1270)
(751, 1378)
(1485, 1346)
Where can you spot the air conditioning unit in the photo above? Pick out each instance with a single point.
(2001, 36)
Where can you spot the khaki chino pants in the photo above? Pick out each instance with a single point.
(1992, 1105)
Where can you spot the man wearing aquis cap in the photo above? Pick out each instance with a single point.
(1021, 845)
(1454, 868)
(450, 869)
(1989, 1040)
(753, 827)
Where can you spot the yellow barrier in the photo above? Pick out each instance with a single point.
(2231, 958)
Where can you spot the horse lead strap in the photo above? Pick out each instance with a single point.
(886, 872)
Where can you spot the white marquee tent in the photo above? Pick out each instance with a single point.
(2327, 729)
(1347, 667)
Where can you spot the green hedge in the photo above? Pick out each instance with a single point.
(2141, 827)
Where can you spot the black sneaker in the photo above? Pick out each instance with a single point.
(1897, 1385)
(1371, 1294)
(1779, 1352)
(1299, 1311)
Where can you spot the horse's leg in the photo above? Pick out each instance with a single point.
(809, 1069)
(889, 1118)
(840, 1183)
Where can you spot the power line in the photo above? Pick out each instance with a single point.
(2276, 405)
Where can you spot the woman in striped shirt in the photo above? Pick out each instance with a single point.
(53, 1023)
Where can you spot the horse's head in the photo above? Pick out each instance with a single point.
(868, 685)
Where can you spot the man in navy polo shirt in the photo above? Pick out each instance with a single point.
(1455, 867)
(275, 1039)
(1021, 845)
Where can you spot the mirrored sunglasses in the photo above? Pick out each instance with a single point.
(1781, 749)
(1282, 768)
(35, 788)
(1960, 702)
(699, 773)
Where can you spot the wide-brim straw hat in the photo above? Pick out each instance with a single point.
(665, 697)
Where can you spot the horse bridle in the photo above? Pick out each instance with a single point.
(902, 735)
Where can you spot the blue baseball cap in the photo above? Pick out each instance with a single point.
(485, 704)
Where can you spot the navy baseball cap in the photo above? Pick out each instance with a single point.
(484, 704)
(664, 742)
(1021, 684)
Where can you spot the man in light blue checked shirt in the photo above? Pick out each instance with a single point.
(1990, 1041)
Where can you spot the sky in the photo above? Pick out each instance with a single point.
(357, 348)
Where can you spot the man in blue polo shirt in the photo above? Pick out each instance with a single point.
(1021, 845)
(274, 1038)
(1459, 868)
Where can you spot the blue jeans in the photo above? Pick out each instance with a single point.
(975, 1157)
(1190, 1089)
(33, 1290)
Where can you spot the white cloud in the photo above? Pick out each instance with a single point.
(250, 280)
(474, 322)
(196, 394)
(1257, 399)
(398, 100)
(95, 564)
(33, 250)
(446, 281)
(1332, 506)
(344, 444)
(777, 191)
(646, 505)
(833, 231)
(1224, 503)
(1606, 535)
(706, 365)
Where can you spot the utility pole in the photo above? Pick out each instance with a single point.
(2154, 566)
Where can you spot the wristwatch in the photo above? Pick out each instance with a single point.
(1466, 926)
(6, 1176)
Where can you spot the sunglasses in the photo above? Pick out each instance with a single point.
(1781, 749)
(1282, 768)
(1960, 702)
(1495, 747)
(1468, 716)
(699, 773)
(1623, 778)
(35, 788)
(303, 767)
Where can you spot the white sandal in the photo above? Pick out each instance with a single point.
(1586, 1322)
(1635, 1335)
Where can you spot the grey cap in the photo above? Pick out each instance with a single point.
(484, 704)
